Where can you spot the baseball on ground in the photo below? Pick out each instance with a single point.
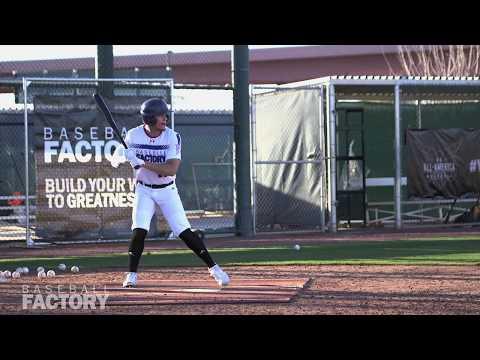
(75, 269)
(40, 269)
(41, 274)
(26, 270)
(50, 273)
(15, 275)
(297, 247)
(62, 267)
(19, 270)
(7, 274)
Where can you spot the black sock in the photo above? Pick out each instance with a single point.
(197, 246)
(135, 249)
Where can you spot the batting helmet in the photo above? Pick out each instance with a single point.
(152, 108)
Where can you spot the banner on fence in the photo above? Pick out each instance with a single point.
(288, 127)
(79, 194)
(443, 163)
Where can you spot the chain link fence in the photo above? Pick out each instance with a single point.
(205, 178)
(12, 176)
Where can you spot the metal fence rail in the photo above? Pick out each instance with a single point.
(379, 212)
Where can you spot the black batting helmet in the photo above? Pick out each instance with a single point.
(152, 108)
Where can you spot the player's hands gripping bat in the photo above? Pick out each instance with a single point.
(132, 157)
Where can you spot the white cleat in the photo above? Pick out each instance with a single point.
(220, 276)
(130, 280)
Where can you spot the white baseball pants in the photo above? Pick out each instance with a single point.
(167, 200)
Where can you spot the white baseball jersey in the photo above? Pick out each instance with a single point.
(155, 150)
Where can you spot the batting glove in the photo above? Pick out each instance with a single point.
(133, 159)
(118, 156)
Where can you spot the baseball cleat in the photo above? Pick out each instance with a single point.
(130, 280)
(219, 275)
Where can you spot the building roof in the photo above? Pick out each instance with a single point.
(195, 58)
(412, 87)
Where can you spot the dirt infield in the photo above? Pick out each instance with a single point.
(260, 290)
(289, 290)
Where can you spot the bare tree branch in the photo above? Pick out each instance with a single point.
(388, 62)
(440, 60)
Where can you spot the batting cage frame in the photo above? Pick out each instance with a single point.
(402, 96)
(205, 180)
(34, 87)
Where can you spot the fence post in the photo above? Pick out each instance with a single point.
(321, 144)
(28, 237)
(253, 140)
(398, 162)
(104, 69)
(240, 80)
(332, 137)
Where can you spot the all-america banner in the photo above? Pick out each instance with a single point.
(443, 163)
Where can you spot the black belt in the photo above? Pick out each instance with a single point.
(154, 186)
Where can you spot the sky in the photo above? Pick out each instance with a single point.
(38, 52)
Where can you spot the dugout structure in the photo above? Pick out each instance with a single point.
(359, 158)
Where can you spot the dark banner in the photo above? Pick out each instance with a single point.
(443, 163)
(79, 194)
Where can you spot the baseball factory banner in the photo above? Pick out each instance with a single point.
(443, 162)
(79, 194)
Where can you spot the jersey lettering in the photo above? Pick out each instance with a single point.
(152, 158)
(154, 150)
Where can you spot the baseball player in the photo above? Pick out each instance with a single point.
(154, 151)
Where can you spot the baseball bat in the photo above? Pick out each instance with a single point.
(108, 115)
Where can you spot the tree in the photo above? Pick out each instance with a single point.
(440, 60)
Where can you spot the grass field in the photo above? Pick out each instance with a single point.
(445, 251)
